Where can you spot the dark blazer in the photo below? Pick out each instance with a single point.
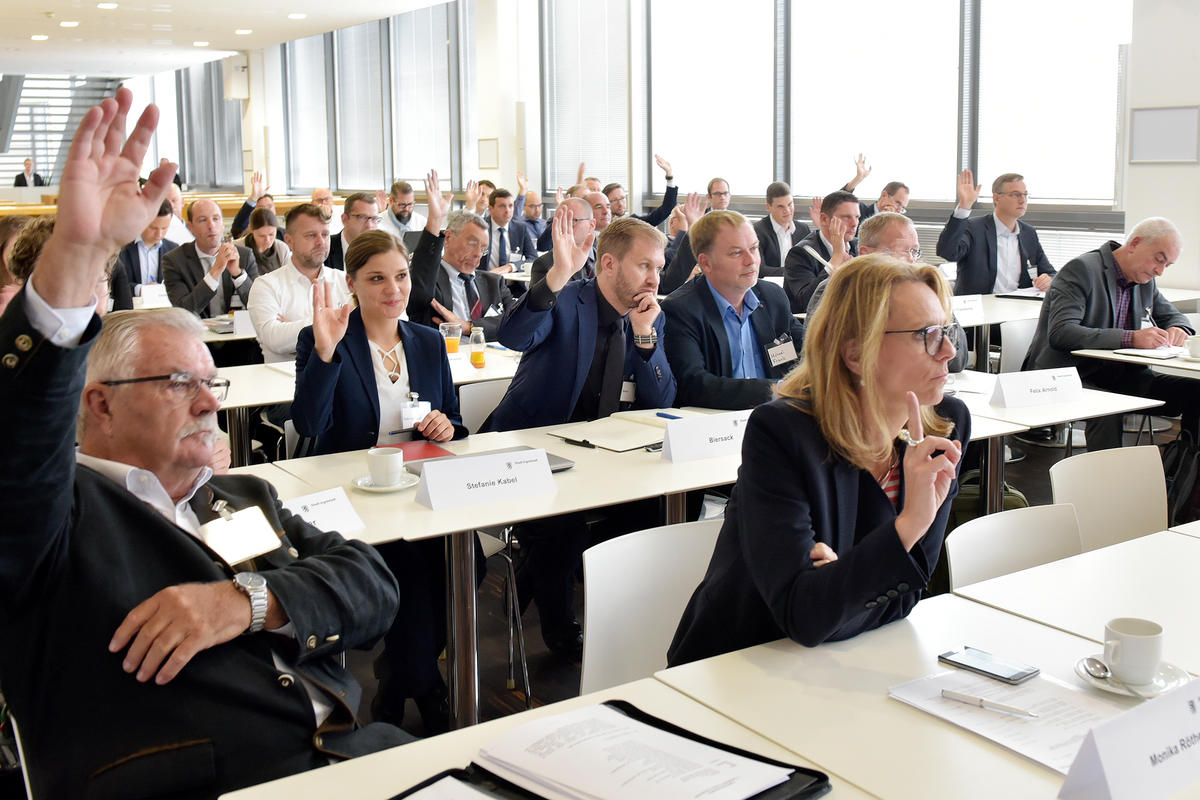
(802, 272)
(184, 276)
(338, 402)
(519, 240)
(536, 228)
(38, 180)
(430, 282)
(971, 243)
(679, 269)
(558, 345)
(128, 259)
(659, 215)
(337, 256)
(768, 246)
(698, 348)
(119, 290)
(792, 492)
(1080, 312)
(78, 552)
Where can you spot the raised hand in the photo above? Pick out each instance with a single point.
(967, 191)
(258, 187)
(471, 193)
(861, 169)
(663, 164)
(837, 239)
(439, 204)
(582, 171)
(569, 257)
(677, 222)
(693, 208)
(927, 478)
(329, 321)
(100, 206)
(522, 182)
(814, 212)
(381, 201)
(558, 197)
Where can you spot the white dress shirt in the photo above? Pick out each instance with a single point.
(178, 231)
(392, 396)
(458, 292)
(1008, 258)
(287, 292)
(784, 237)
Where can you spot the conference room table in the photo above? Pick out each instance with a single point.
(1153, 577)
(1179, 365)
(1187, 528)
(831, 704)
(993, 310)
(382, 775)
(251, 386)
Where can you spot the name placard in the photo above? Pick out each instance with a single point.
(154, 295)
(471, 480)
(1152, 750)
(329, 510)
(707, 436)
(968, 308)
(1038, 387)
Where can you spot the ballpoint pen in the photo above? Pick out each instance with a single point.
(983, 702)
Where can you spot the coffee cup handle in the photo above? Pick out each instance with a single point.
(1113, 646)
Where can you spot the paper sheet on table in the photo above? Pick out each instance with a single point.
(611, 433)
(448, 789)
(286, 367)
(1028, 293)
(650, 416)
(1157, 352)
(1065, 713)
(329, 510)
(615, 756)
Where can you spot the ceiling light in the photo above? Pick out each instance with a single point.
(243, 31)
(69, 23)
(199, 44)
(39, 37)
(106, 6)
(297, 15)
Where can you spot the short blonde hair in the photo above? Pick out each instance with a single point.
(706, 230)
(855, 308)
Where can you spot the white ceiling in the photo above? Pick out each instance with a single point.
(142, 37)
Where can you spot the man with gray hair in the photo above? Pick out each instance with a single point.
(186, 661)
(1107, 299)
(447, 283)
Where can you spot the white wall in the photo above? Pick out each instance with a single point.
(506, 73)
(1164, 70)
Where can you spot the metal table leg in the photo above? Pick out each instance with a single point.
(993, 476)
(462, 652)
(983, 347)
(676, 508)
(238, 420)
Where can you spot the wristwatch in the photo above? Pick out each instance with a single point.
(254, 586)
(650, 340)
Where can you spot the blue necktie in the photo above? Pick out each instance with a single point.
(503, 259)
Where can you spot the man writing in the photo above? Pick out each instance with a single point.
(113, 576)
(1106, 299)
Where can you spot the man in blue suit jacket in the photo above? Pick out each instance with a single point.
(731, 336)
(515, 238)
(590, 348)
(141, 259)
(996, 253)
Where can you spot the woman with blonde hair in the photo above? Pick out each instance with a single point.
(837, 518)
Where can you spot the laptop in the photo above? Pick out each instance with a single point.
(557, 463)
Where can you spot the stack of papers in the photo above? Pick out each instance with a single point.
(624, 430)
(1157, 352)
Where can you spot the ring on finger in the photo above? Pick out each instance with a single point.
(908, 439)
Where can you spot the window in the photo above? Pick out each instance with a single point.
(879, 78)
(360, 73)
(307, 116)
(712, 94)
(212, 128)
(422, 113)
(586, 114)
(1048, 102)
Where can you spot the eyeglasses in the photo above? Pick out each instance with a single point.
(1016, 195)
(404, 205)
(183, 386)
(913, 253)
(934, 335)
(364, 219)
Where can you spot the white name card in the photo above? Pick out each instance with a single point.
(1151, 750)
(245, 535)
(968, 308)
(1038, 387)
(706, 436)
(154, 295)
(329, 510)
(471, 480)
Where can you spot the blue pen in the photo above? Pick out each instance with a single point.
(665, 415)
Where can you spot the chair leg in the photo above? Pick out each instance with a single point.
(1070, 440)
(514, 615)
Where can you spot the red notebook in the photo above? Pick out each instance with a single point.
(419, 450)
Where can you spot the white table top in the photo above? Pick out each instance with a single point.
(243, 329)
(286, 484)
(257, 385)
(1188, 528)
(384, 774)
(517, 277)
(975, 390)
(1153, 577)
(1174, 295)
(831, 702)
(1183, 365)
(1005, 309)
(498, 365)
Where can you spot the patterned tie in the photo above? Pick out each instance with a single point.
(503, 256)
(473, 302)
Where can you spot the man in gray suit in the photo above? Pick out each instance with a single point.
(1106, 299)
(204, 277)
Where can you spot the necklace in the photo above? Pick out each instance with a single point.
(891, 464)
(390, 355)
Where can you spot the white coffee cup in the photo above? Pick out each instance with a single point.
(1133, 649)
(386, 465)
(1193, 346)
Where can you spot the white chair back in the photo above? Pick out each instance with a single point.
(1118, 494)
(21, 754)
(1015, 337)
(997, 544)
(477, 400)
(636, 588)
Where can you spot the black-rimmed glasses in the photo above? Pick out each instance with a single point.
(934, 335)
(182, 385)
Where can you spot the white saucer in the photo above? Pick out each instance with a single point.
(1167, 678)
(406, 482)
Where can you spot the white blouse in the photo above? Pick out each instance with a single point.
(392, 394)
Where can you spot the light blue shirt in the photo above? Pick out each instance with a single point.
(149, 260)
(744, 352)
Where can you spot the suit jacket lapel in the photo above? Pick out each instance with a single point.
(357, 355)
(989, 227)
(716, 323)
(1109, 275)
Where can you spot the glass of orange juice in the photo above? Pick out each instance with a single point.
(478, 344)
(452, 332)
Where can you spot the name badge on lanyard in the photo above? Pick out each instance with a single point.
(239, 535)
(628, 391)
(783, 351)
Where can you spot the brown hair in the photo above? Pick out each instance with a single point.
(9, 228)
(369, 244)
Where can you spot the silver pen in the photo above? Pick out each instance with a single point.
(983, 702)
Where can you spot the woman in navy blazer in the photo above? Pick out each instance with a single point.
(837, 517)
(337, 400)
